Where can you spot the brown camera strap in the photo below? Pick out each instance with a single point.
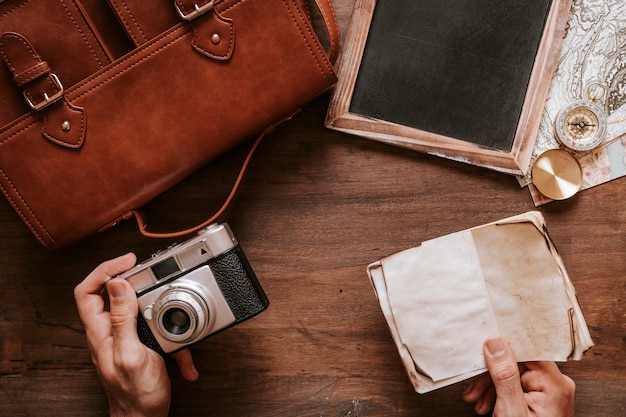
(142, 221)
(328, 14)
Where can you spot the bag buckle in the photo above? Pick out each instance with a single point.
(198, 10)
(47, 100)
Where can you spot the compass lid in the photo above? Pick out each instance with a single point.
(557, 174)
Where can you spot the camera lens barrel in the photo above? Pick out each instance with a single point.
(176, 321)
(183, 313)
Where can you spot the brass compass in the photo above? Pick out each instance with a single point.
(581, 125)
(557, 174)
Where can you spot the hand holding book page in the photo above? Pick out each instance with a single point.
(443, 298)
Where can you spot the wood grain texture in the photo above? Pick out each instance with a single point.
(314, 209)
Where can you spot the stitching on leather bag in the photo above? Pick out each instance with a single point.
(178, 38)
(83, 35)
(32, 73)
(64, 142)
(334, 17)
(35, 57)
(132, 18)
(73, 20)
(319, 65)
(230, 45)
(21, 213)
(112, 77)
(19, 131)
(8, 61)
(14, 8)
(235, 4)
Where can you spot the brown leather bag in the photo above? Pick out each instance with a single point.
(89, 137)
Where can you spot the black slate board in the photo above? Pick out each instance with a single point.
(458, 68)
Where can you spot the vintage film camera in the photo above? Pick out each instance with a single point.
(194, 289)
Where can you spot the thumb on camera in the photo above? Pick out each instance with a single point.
(123, 307)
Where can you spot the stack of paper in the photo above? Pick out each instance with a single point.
(443, 298)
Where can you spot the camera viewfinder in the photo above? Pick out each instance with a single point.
(165, 268)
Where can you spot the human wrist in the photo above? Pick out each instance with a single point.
(117, 409)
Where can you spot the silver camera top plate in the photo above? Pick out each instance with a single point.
(210, 242)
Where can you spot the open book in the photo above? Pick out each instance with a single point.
(443, 298)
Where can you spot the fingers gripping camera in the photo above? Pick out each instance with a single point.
(195, 289)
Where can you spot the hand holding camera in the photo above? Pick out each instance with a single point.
(133, 375)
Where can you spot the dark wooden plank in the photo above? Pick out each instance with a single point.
(315, 208)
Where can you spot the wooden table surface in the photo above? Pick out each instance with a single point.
(314, 209)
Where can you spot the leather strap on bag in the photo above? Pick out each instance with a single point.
(190, 10)
(64, 123)
(330, 20)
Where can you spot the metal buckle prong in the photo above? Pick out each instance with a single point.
(197, 12)
(47, 100)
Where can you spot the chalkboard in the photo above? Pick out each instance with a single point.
(463, 79)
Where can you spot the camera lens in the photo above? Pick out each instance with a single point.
(182, 313)
(176, 321)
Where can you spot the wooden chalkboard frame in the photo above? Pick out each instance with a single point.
(515, 162)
